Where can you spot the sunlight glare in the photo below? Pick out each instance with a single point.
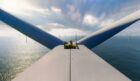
(15, 6)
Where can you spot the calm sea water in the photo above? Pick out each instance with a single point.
(16, 54)
(123, 53)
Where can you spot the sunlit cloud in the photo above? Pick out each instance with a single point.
(90, 20)
(16, 6)
(23, 8)
(57, 29)
(84, 15)
(66, 32)
(107, 23)
(50, 26)
(55, 9)
(7, 33)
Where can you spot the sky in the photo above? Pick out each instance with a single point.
(67, 17)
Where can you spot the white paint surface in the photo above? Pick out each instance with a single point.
(85, 66)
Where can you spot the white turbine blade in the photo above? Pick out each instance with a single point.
(105, 33)
(33, 32)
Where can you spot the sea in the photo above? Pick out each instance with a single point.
(18, 53)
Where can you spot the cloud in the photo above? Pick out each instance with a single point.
(6, 31)
(90, 20)
(79, 14)
(133, 30)
(11, 6)
(43, 11)
(26, 8)
(51, 26)
(67, 32)
(74, 13)
(107, 23)
(55, 9)
(57, 29)
(4, 27)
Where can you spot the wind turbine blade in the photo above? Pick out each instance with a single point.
(33, 32)
(105, 33)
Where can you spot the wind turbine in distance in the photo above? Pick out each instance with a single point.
(62, 64)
